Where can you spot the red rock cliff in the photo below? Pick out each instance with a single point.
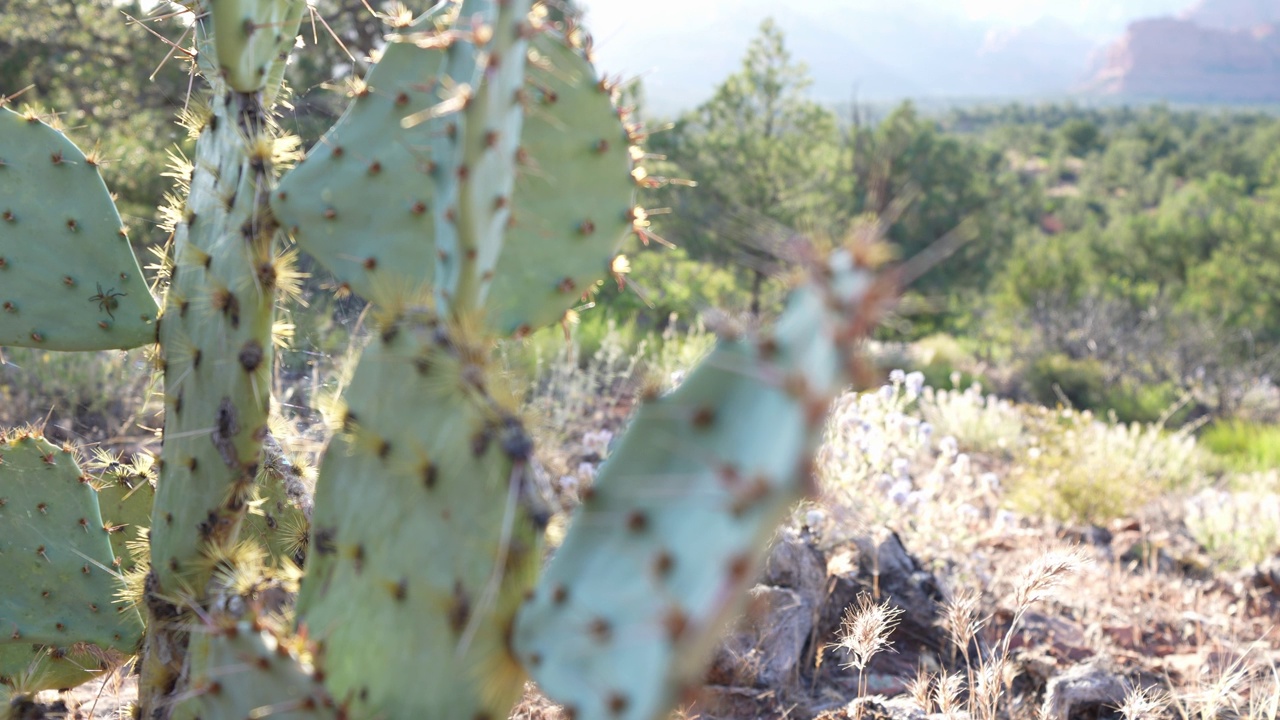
(1180, 60)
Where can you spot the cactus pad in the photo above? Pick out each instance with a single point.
(68, 278)
(244, 671)
(251, 37)
(665, 542)
(421, 522)
(26, 668)
(362, 201)
(55, 554)
(217, 342)
(574, 192)
(125, 501)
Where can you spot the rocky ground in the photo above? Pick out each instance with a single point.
(1139, 614)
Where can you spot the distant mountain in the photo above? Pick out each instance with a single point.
(1046, 57)
(883, 51)
(1219, 50)
(1233, 14)
(1182, 60)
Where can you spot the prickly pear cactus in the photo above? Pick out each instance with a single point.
(26, 669)
(68, 278)
(372, 178)
(479, 184)
(126, 494)
(574, 194)
(252, 39)
(247, 669)
(665, 542)
(376, 176)
(216, 339)
(422, 521)
(54, 551)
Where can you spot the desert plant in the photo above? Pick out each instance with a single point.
(480, 181)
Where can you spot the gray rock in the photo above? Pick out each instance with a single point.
(1082, 685)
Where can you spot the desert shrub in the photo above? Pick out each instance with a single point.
(1133, 402)
(1076, 468)
(1244, 446)
(668, 282)
(586, 384)
(1236, 529)
(881, 464)
(978, 422)
(1053, 377)
(941, 374)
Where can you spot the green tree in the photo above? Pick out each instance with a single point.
(765, 157)
(108, 78)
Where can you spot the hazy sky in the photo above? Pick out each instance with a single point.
(1094, 17)
(681, 47)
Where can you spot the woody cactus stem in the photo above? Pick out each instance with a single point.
(216, 342)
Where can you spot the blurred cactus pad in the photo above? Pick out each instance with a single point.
(481, 182)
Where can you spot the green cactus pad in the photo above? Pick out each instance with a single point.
(573, 196)
(244, 672)
(55, 554)
(26, 668)
(68, 278)
(416, 524)
(251, 37)
(360, 202)
(671, 533)
(479, 152)
(126, 503)
(217, 342)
